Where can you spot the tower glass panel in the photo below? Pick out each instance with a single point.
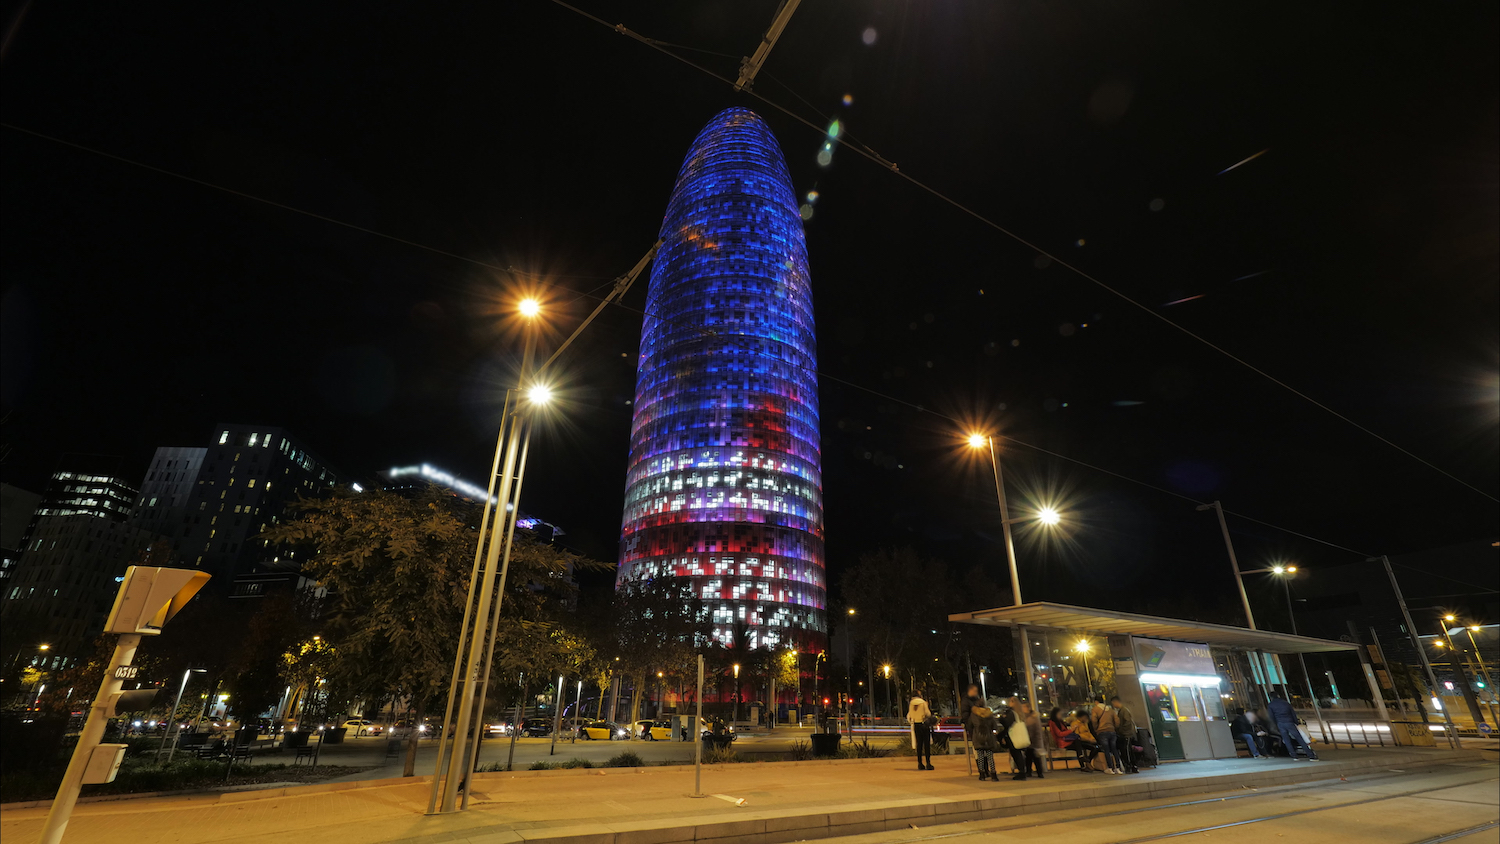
(724, 483)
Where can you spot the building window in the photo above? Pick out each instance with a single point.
(223, 437)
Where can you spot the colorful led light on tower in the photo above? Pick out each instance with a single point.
(725, 483)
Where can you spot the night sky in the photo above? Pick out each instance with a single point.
(1356, 259)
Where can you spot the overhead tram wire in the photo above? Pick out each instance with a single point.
(593, 295)
(866, 152)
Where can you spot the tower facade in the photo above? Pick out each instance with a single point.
(725, 484)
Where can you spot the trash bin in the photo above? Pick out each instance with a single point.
(825, 744)
(335, 735)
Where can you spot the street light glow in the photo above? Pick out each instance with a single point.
(1278, 569)
(1449, 617)
(1083, 646)
(529, 308)
(539, 394)
(978, 441)
(1048, 516)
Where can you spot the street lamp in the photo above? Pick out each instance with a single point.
(173, 723)
(1454, 656)
(496, 532)
(1484, 671)
(1285, 571)
(849, 676)
(1047, 516)
(736, 719)
(1083, 647)
(887, 670)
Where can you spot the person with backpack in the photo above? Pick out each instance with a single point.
(922, 721)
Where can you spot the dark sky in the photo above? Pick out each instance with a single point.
(1356, 259)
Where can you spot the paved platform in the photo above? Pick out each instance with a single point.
(748, 804)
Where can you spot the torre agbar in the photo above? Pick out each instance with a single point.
(725, 485)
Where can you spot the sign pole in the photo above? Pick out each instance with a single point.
(93, 731)
(698, 749)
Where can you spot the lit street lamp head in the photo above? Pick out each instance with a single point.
(529, 308)
(1048, 516)
(1083, 646)
(1278, 569)
(539, 394)
(978, 441)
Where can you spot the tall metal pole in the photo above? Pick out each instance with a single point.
(698, 731)
(511, 511)
(1015, 576)
(1239, 581)
(1484, 671)
(1286, 585)
(465, 712)
(173, 716)
(556, 715)
(446, 739)
(1411, 630)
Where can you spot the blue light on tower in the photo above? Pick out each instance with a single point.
(724, 484)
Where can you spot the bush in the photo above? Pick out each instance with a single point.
(800, 751)
(576, 763)
(861, 750)
(540, 766)
(719, 754)
(628, 759)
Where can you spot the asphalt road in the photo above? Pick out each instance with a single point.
(1458, 802)
(371, 751)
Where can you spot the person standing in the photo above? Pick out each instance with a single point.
(1125, 728)
(1105, 725)
(985, 742)
(1036, 754)
(920, 716)
(1286, 724)
(969, 715)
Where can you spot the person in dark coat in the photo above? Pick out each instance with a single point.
(1286, 723)
(1246, 728)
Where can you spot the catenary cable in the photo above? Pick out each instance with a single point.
(869, 154)
(593, 295)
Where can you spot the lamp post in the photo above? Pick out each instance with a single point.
(1083, 647)
(1484, 671)
(1458, 671)
(849, 676)
(512, 443)
(1047, 516)
(1411, 630)
(887, 686)
(1286, 572)
(735, 719)
(173, 723)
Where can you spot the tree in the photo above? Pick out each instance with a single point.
(397, 572)
(397, 569)
(660, 625)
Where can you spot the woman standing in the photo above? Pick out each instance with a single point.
(920, 716)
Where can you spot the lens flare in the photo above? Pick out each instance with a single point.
(978, 441)
(1048, 516)
(539, 394)
(529, 307)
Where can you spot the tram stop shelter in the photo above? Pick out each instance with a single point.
(1179, 673)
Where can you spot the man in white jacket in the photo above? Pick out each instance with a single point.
(920, 716)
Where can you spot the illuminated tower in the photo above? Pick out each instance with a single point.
(725, 485)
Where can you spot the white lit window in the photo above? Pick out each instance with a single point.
(253, 438)
(223, 437)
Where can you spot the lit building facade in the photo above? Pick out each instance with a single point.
(724, 484)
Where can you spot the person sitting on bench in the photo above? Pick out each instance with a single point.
(1248, 729)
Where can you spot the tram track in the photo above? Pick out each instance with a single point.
(1298, 788)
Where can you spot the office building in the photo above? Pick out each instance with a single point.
(724, 481)
(17, 506)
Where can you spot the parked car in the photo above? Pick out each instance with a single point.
(536, 727)
(500, 729)
(363, 727)
(653, 730)
(602, 731)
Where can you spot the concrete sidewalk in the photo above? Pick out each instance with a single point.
(781, 802)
